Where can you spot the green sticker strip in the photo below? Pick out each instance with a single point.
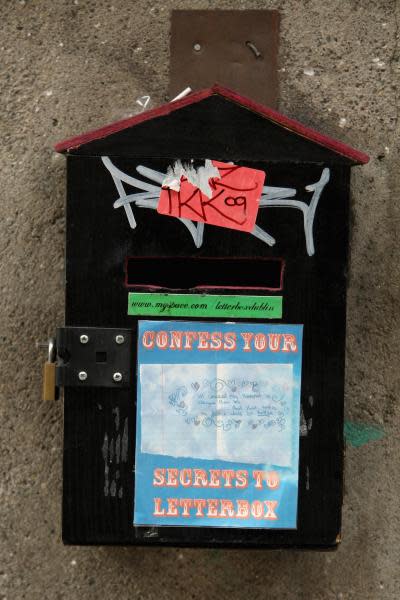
(203, 305)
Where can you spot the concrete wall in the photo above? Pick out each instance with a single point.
(71, 65)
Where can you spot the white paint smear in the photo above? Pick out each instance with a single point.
(199, 177)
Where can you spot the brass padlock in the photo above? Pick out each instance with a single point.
(50, 391)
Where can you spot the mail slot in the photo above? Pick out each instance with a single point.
(203, 273)
(202, 356)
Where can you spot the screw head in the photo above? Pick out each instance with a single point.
(197, 47)
(119, 339)
(82, 375)
(117, 377)
(84, 339)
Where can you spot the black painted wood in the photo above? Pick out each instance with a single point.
(99, 424)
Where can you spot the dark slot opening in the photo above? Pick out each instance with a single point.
(101, 357)
(185, 273)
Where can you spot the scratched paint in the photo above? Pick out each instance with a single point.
(359, 434)
(115, 451)
(305, 424)
(277, 197)
(104, 451)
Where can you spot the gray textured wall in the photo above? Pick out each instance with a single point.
(68, 66)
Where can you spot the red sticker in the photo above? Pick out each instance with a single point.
(234, 202)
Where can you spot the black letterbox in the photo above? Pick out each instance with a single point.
(203, 350)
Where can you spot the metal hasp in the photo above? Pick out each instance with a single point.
(94, 357)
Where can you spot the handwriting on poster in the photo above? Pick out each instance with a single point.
(214, 508)
(233, 403)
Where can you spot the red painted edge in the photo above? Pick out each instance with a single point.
(193, 98)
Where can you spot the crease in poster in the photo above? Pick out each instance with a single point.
(218, 409)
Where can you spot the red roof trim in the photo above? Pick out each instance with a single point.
(268, 113)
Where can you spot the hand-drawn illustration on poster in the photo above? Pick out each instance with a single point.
(218, 408)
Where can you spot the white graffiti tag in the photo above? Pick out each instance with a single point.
(276, 197)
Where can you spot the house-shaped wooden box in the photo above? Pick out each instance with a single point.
(295, 254)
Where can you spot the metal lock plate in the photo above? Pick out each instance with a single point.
(94, 357)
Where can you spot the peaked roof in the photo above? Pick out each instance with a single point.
(268, 113)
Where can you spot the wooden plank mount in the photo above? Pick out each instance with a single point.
(236, 48)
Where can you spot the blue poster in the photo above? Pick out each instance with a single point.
(218, 411)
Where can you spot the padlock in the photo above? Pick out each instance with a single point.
(50, 391)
